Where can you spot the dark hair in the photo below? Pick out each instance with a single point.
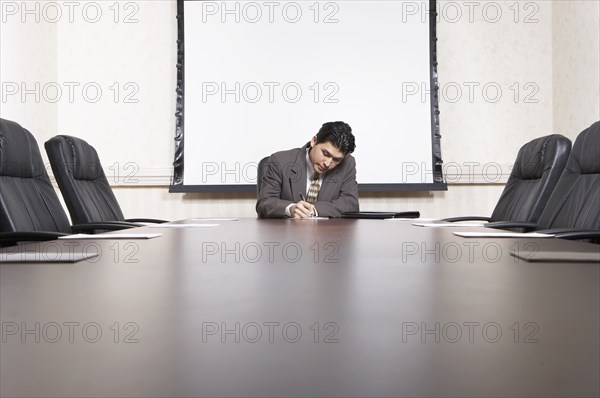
(339, 134)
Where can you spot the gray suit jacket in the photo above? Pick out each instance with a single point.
(285, 179)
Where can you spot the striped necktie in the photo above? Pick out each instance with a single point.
(313, 190)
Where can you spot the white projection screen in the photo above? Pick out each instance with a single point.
(259, 77)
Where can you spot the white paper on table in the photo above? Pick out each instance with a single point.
(502, 235)
(45, 257)
(111, 236)
(213, 219)
(410, 219)
(182, 225)
(554, 256)
(450, 224)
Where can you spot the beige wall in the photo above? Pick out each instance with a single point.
(27, 59)
(509, 72)
(575, 61)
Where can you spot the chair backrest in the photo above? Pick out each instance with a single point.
(28, 201)
(82, 181)
(260, 172)
(535, 173)
(575, 202)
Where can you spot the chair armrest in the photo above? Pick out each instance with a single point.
(11, 238)
(147, 220)
(105, 225)
(573, 234)
(467, 218)
(527, 226)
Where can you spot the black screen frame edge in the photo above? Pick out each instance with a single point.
(178, 185)
(177, 178)
(420, 187)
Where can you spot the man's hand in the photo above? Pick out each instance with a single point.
(302, 209)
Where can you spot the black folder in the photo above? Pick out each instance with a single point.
(380, 215)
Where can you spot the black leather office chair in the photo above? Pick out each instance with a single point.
(535, 173)
(573, 209)
(29, 206)
(83, 184)
(260, 172)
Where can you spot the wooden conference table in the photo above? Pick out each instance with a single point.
(301, 308)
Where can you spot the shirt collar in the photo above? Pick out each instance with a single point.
(310, 170)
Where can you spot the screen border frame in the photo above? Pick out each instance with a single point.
(177, 181)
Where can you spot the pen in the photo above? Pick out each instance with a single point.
(304, 199)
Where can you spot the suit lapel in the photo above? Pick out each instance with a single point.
(297, 173)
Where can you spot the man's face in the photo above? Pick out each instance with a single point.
(324, 156)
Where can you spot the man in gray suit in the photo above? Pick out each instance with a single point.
(318, 179)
